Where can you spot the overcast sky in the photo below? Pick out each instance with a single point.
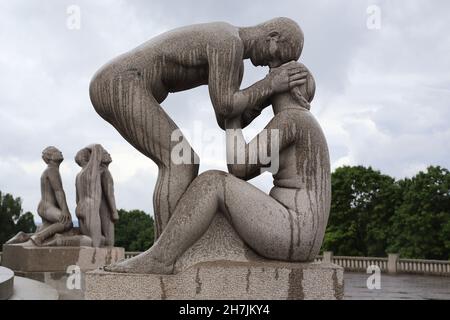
(382, 93)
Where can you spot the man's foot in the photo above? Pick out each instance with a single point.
(36, 240)
(28, 243)
(21, 237)
(142, 264)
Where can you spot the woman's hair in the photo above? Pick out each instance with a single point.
(305, 91)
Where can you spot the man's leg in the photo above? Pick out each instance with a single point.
(129, 106)
(51, 225)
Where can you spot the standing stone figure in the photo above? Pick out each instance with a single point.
(89, 192)
(108, 210)
(128, 91)
(52, 207)
(96, 205)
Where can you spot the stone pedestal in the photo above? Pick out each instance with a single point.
(223, 280)
(6, 283)
(63, 268)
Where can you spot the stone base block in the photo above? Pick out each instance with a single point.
(223, 280)
(6, 283)
(63, 268)
(57, 259)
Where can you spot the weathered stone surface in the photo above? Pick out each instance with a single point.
(50, 265)
(52, 207)
(219, 242)
(96, 205)
(6, 283)
(289, 223)
(223, 280)
(48, 259)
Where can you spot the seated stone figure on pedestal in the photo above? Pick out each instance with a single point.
(96, 208)
(289, 224)
(52, 208)
(218, 236)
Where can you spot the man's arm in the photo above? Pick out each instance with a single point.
(244, 159)
(225, 76)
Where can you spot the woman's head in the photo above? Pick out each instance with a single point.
(300, 95)
(82, 157)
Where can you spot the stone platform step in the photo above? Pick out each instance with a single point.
(223, 280)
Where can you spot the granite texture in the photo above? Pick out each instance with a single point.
(57, 259)
(218, 215)
(96, 205)
(223, 280)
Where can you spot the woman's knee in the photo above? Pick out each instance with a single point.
(212, 176)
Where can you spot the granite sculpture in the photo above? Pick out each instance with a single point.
(52, 207)
(289, 223)
(96, 208)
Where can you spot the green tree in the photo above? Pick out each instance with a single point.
(134, 231)
(12, 218)
(420, 227)
(363, 200)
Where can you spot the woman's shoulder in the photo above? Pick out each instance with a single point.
(291, 115)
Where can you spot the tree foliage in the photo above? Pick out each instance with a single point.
(420, 227)
(12, 218)
(373, 214)
(134, 231)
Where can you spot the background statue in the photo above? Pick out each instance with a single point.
(128, 91)
(108, 210)
(96, 209)
(52, 207)
(96, 206)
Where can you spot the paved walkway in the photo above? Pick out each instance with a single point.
(397, 287)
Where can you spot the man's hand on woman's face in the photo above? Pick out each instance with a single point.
(287, 76)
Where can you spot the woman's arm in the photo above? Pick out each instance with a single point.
(245, 160)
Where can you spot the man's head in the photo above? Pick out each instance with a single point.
(276, 41)
(82, 157)
(52, 154)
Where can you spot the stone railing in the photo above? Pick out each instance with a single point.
(392, 264)
(131, 254)
(424, 266)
